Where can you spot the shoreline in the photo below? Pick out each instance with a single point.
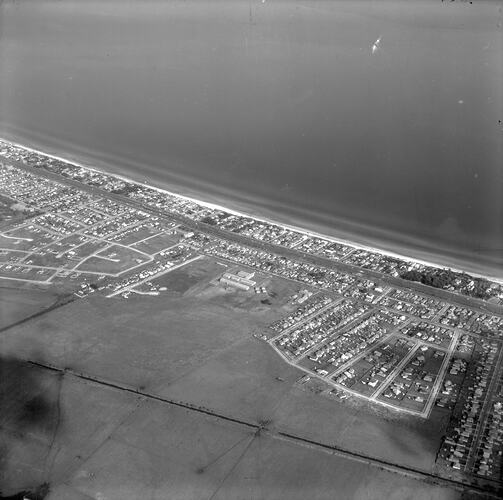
(238, 212)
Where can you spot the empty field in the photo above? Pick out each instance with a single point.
(17, 304)
(114, 260)
(89, 441)
(199, 349)
(156, 243)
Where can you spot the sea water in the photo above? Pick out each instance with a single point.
(288, 109)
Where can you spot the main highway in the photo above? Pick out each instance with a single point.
(478, 305)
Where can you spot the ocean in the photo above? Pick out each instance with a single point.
(279, 108)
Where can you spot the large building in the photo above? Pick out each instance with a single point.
(241, 280)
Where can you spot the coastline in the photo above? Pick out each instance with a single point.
(190, 195)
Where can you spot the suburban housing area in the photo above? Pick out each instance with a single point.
(362, 327)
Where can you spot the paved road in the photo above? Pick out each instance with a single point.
(394, 373)
(309, 317)
(385, 280)
(153, 276)
(486, 408)
(440, 375)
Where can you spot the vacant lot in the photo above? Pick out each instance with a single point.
(156, 243)
(199, 349)
(195, 276)
(90, 441)
(17, 304)
(114, 260)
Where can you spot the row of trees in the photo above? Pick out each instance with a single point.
(444, 278)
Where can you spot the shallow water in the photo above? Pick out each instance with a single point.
(280, 108)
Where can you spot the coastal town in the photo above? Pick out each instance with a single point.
(394, 333)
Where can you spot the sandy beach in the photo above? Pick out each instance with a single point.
(233, 208)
